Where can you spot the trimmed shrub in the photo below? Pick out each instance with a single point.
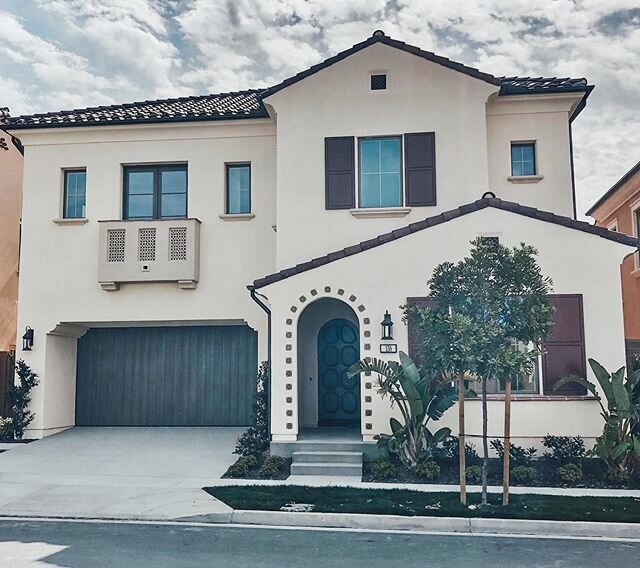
(242, 467)
(570, 473)
(564, 449)
(18, 399)
(255, 441)
(427, 471)
(618, 476)
(450, 449)
(524, 474)
(382, 469)
(6, 428)
(474, 473)
(272, 466)
(517, 454)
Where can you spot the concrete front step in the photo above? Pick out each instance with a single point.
(327, 469)
(328, 457)
(327, 446)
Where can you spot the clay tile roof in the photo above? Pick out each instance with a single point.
(510, 206)
(223, 106)
(527, 85)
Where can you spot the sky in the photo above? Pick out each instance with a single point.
(64, 54)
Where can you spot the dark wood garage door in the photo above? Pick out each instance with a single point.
(166, 376)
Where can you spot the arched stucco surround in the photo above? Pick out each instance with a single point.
(311, 320)
(290, 357)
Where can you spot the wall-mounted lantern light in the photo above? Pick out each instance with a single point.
(27, 339)
(387, 326)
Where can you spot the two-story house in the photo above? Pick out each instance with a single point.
(168, 246)
(618, 209)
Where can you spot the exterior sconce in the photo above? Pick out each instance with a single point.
(387, 326)
(27, 339)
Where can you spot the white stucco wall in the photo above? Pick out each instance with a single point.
(59, 263)
(472, 149)
(382, 278)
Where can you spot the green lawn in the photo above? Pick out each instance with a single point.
(418, 503)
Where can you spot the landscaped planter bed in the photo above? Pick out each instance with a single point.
(250, 467)
(594, 475)
(437, 504)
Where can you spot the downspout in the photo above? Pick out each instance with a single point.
(573, 173)
(265, 308)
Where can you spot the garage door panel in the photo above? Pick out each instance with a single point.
(166, 376)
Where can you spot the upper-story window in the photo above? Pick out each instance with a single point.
(523, 159)
(238, 189)
(75, 194)
(380, 172)
(155, 192)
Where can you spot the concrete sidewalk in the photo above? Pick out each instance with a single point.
(117, 473)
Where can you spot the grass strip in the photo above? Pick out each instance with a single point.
(417, 503)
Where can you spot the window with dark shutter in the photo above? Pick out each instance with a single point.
(415, 338)
(339, 172)
(564, 352)
(420, 168)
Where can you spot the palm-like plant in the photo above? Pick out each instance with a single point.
(419, 399)
(619, 445)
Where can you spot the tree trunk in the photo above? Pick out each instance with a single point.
(461, 440)
(485, 442)
(507, 443)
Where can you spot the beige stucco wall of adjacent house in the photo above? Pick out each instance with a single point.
(59, 264)
(10, 204)
(472, 134)
(382, 278)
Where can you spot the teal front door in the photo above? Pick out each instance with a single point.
(338, 395)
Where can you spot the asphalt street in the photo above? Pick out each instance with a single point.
(43, 544)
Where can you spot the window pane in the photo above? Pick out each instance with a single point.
(140, 183)
(389, 155)
(238, 189)
(140, 207)
(523, 162)
(173, 181)
(390, 193)
(369, 190)
(173, 205)
(75, 195)
(516, 169)
(369, 156)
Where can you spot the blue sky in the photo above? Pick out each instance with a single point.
(61, 54)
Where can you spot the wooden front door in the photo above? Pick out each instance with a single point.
(338, 395)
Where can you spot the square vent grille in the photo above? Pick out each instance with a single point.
(378, 82)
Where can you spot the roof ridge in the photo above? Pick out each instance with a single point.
(443, 217)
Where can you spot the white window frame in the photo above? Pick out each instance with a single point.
(635, 230)
(400, 208)
(613, 226)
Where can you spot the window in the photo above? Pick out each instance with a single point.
(380, 172)
(75, 194)
(636, 231)
(524, 384)
(155, 192)
(238, 189)
(523, 159)
(378, 82)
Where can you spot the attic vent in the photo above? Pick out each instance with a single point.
(378, 82)
(177, 243)
(146, 245)
(115, 245)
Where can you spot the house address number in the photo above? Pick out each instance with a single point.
(389, 348)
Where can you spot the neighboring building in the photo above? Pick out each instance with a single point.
(10, 198)
(619, 210)
(143, 225)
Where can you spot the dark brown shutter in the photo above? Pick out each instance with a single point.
(415, 338)
(420, 168)
(339, 173)
(564, 349)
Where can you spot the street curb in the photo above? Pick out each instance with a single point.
(432, 524)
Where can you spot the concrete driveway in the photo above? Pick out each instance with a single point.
(134, 473)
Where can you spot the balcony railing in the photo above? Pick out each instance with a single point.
(166, 250)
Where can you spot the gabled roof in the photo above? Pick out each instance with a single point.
(248, 104)
(478, 205)
(615, 187)
(223, 106)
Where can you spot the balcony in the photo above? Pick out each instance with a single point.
(166, 250)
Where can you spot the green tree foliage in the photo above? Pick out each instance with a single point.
(255, 440)
(19, 397)
(490, 314)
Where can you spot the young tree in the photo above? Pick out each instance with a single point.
(489, 316)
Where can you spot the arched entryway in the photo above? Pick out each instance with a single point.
(328, 344)
(338, 394)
